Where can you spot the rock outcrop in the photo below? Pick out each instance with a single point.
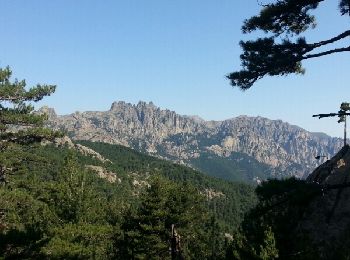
(327, 220)
(104, 173)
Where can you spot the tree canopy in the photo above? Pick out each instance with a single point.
(283, 51)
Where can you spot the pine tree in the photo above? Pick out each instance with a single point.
(57, 216)
(268, 250)
(148, 230)
(18, 124)
(279, 54)
(145, 232)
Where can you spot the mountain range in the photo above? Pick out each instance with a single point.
(242, 148)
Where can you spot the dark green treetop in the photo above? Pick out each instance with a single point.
(279, 54)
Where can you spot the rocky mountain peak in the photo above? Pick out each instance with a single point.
(117, 105)
(164, 133)
(50, 112)
(143, 104)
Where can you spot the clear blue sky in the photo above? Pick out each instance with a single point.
(174, 53)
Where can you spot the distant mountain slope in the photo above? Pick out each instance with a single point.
(127, 172)
(276, 148)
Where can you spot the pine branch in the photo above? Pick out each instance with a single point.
(284, 16)
(326, 53)
(332, 40)
(32, 135)
(13, 93)
(266, 56)
(13, 118)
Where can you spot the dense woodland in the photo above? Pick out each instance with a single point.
(53, 207)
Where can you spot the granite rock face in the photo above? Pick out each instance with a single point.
(287, 149)
(327, 219)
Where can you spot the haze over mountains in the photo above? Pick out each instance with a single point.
(241, 148)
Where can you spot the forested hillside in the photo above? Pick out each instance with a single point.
(228, 200)
(58, 206)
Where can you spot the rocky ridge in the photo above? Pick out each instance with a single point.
(284, 148)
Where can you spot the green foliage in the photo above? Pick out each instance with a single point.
(344, 7)
(278, 54)
(147, 233)
(240, 247)
(268, 250)
(55, 215)
(80, 241)
(55, 208)
(228, 209)
(24, 223)
(18, 123)
(19, 113)
(237, 167)
(15, 91)
(287, 16)
(24, 220)
(271, 228)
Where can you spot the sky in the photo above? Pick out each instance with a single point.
(173, 53)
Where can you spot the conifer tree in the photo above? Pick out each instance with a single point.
(279, 54)
(268, 250)
(147, 232)
(18, 124)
